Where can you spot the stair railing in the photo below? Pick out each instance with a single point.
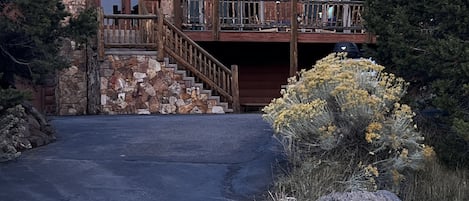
(198, 61)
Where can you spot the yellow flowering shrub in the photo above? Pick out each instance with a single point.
(349, 108)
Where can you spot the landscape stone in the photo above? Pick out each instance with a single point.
(217, 110)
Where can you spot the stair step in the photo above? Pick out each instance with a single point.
(217, 98)
(129, 51)
(191, 82)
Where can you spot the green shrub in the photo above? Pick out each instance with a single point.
(12, 97)
(348, 112)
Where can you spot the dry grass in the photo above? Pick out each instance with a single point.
(437, 183)
(312, 180)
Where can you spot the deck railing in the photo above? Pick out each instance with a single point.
(135, 31)
(249, 15)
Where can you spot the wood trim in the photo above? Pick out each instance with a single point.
(226, 36)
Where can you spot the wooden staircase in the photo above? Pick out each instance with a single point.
(199, 68)
(191, 83)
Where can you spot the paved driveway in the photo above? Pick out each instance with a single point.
(143, 158)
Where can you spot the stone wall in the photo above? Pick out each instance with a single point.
(142, 85)
(74, 6)
(78, 85)
(72, 86)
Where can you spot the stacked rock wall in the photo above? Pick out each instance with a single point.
(78, 85)
(132, 84)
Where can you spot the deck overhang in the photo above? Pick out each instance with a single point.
(303, 37)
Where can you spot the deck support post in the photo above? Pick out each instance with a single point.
(100, 36)
(126, 6)
(160, 35)
(216, 20)
(177, 10)
(235, 89)
(294, 39)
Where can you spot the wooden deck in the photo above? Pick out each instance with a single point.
(303, 37)
(315, 21)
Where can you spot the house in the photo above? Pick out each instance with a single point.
(197, 56)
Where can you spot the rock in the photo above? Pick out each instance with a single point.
(72, 111)
(141, 58)
(217, 110)
(153, 67)
(70, 71)
(139, 76)
(104, 83)
(168, 109)
(143, 111)
(33, 122)
(143, 68)
(172, 100)
(107, 72)
(186, 109)
(184, 96)
(160, 86)
(196, 110)
(175, 89)
(39, 138)
(380, 195)
(104, 99)
(150, 90)
(201, 105)
(180, 103)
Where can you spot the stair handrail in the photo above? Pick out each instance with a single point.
(193, 43)
(211, 71)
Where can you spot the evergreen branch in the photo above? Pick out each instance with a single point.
(16, 60)
(12, 57)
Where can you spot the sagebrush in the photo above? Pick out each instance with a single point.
(347, 111)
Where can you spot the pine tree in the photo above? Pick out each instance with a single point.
(427, 43)
(30, 36)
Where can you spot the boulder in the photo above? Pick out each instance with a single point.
(217, 110)
(186, 109)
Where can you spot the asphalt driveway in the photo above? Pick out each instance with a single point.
(146, 158)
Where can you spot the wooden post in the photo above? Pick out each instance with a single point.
(235, 89)
(100, 36)
(160, 31)
(126, 6)
(177, 10)
(216, 20)
(294, 39)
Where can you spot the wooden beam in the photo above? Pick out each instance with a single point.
(100, 18)
(284, 37)
(126, 7)
(294, 39)
(235, 89)
(177, 10)
(160, 31)
(216, 19)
